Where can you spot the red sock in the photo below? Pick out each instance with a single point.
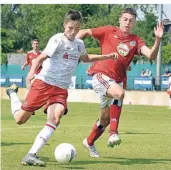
(115, 112)
(96, 133)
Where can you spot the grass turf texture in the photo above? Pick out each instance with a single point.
(145, 133)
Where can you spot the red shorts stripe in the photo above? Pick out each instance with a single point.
(101, 80)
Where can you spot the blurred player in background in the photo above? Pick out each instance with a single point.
(109, 75)
(169, 91)
(31, 56)
(49, 89)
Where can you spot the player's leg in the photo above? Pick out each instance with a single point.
(104, 85)
(55, 107)
(54, 114)
(117, 92)
(100, 86)
(97, 131)
(20, 115)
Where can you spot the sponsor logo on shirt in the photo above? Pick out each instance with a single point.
(70, 57)
(65, 56)
(123, 49)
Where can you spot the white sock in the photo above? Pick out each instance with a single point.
(15, 103)
(42, 137)
(170, 102)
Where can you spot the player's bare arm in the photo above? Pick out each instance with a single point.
(24, 65)
(37, 62)
(92, 57)
(84, 33)
(152, 53)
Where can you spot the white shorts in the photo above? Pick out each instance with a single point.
(101, 83)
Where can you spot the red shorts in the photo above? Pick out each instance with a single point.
(43, 94)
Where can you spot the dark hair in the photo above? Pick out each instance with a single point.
(129, 11)
(73, 15)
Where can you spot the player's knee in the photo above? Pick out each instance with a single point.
(121, 94)
(20, 120)
(58, 116)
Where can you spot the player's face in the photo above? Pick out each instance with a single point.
(71, 28)
(127, 22)
(35, 45)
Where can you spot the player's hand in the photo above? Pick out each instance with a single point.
(29, 78)
(159, 30)
(22, 68)
(113, 55)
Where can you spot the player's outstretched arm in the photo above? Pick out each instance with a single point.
(24, 65)
(152, 53)
(94, 57)
(84, 33)
(36, 64)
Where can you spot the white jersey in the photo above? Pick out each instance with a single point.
(63, 58)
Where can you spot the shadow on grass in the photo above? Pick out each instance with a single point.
(132, 161)
(113, 160)
(72, 167)
(14, 143)
(139, 133)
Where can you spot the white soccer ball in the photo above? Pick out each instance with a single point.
(65, 153)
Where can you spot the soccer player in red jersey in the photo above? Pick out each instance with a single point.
(109, 75)
(30, 58)
(32, 55)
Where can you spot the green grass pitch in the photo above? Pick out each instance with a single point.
(145, 133)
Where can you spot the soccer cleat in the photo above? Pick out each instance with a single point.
(114, 140)
(33, 113)
(92, 149)
(12, 89)
(32, 159)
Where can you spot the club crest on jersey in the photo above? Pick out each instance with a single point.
(65, 56)
(79, 49)
(132, 43)
(123, 49)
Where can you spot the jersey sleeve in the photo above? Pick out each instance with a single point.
(83, 51)
(100, 32)
(51, 46)
(140, 44)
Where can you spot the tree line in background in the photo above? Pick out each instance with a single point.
(22, 23)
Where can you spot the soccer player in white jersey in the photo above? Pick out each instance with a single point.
(49, 89)
(169, 91)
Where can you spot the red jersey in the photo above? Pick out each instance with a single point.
(32, 56)
(111, 40)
